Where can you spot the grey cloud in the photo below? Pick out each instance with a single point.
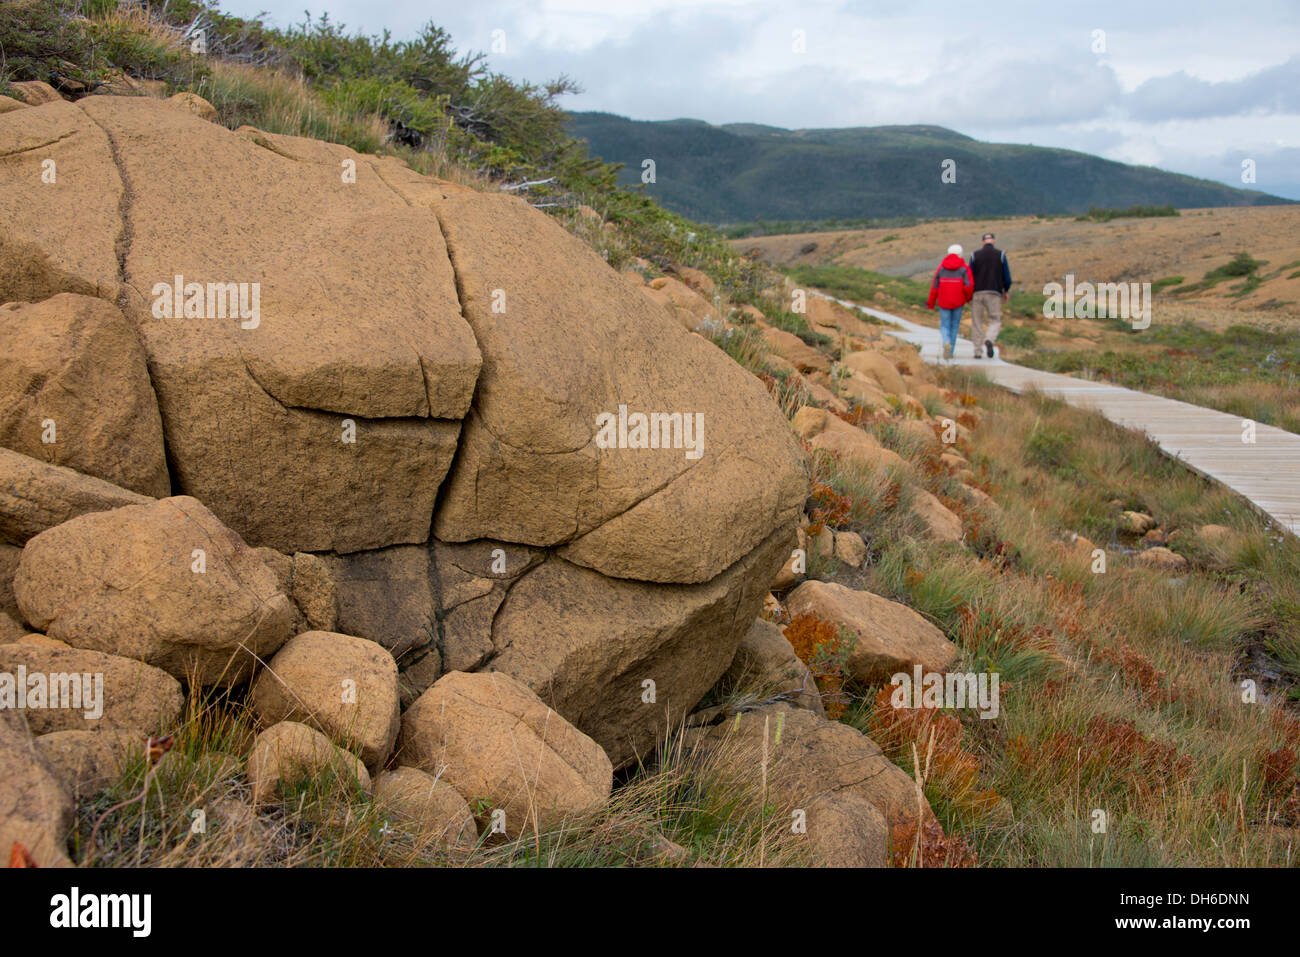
(1275, 89)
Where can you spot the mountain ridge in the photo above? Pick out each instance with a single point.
(741, 172)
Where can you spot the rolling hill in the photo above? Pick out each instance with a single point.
(743, 172)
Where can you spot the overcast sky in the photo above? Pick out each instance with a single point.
(1190, 86)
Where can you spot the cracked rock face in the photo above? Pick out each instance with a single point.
(418, 359)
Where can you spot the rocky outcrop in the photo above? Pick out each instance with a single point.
(413, 457)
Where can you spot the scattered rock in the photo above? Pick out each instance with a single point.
(85, 690)
(493, 740)
(341, 685)
(767, 662)
(289, 753)
(196, 105)
(87, 762)
(940, 522)
(696, 279)
(1136, 523)
(164, 583)
(850, 548)
(849, 791)
(35, 496)
(434, 805)
(1160, 557)
(35, 92)
(878, 368)
(889, 637)
(793, 349)
(35, 810)
(822, 543)
(1220, 535)
(822, 430)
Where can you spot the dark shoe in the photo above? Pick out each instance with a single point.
(988, 347)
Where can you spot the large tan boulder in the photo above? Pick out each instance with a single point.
(889, 636)
(529, 468)
(8, 104)
(330, 348)
(824, 430)
(85, 690)
(35, 809)
(164, 583)
(35, 496)
(849, 793)
(291, 754)
(341, 685)
(74, 391)
(433, 805)
(493, 740)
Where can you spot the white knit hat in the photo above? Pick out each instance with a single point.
(954, 249)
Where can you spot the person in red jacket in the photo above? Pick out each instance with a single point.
(952, 287)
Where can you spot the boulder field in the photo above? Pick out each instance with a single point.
(281, 416)
(249, 343)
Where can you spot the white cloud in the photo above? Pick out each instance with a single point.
(1182, 85)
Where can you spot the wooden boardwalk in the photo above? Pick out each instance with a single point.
(1265, 472)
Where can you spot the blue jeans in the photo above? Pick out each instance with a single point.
(949, 325)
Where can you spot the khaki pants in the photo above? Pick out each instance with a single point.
(985, 304)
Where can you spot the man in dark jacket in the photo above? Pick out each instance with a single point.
(992, 288)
